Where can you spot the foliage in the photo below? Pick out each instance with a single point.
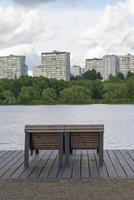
(75, 95)
(89, 88)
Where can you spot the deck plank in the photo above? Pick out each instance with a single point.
(47, 157)
(119, 170)
(13, 159)
(109, 166)
(27, 172)
(102, 170)
(93, 165)
(77, 165)
(68, 169)
(124, 164)
(7, 158)
(14, 167)
(83, 164)
(48, 165)
(37, 170)
(129, 160)
(55, 169)
(2, 153)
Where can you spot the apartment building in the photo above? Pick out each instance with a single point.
(110, 66)
(126, 64)
(13, 66)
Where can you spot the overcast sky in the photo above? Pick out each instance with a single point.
(86, 28)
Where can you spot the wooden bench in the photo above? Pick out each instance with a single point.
(43, 137)
(63, 137)
(84, 137)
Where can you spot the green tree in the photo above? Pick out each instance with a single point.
(49, 95)
(129, 75)
(7, 97)
(97, 89)
(130, 87)
(28, 95)
(91, 75)
(75, 94)
(115, 92)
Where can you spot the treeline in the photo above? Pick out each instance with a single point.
(89, 88)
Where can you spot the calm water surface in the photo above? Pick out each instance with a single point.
(118, 121)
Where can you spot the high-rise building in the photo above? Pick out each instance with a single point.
(13, 66)
(55, 65)
(126, 64)
(110, 66)
(94, 63)
(38, 70)
(76, 70)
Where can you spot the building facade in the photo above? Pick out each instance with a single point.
(94, 63)
(13, 66)
(126, 64)
(110, 66)
(55, 65)
(76, 70)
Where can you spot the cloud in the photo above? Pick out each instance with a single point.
(114, 32)
(36, 2)
(20, 29)
(32, 2)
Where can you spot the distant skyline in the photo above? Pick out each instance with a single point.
(85, 28)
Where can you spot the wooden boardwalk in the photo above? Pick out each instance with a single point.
(83, 164)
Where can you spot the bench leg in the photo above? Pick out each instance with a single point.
(26, 152)
(67, 148)
(97, 150)
(36, 152)
(70, 149)
(61, 150)
(101, 150)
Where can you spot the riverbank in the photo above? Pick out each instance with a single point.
(81, 190)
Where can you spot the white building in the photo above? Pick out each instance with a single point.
(13, 66)
(38, 70)
(110, 66)
(55, 65)
(94, 63)
(76, 70)
(126, 64)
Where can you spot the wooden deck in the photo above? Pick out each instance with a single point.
(83, 164)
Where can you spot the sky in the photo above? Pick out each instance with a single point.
(85, 28)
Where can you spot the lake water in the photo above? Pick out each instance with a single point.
(118, 121)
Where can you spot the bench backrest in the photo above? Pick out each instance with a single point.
(85, 136)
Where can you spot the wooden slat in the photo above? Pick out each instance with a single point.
(119, 170)
(93, 165)
(109, 166)
(77, 165)
(6, 158)
(64, 127)
(124, 164)
(48, 165)
(10, 163)
(117, 164)
(27, 172)
(131, 153)
(84, 165)
(55, 169)
(14, 167)
(128, 159)
(101, 170)
(2, 153)
(68, 171)
(41, 164)
(20, 169)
